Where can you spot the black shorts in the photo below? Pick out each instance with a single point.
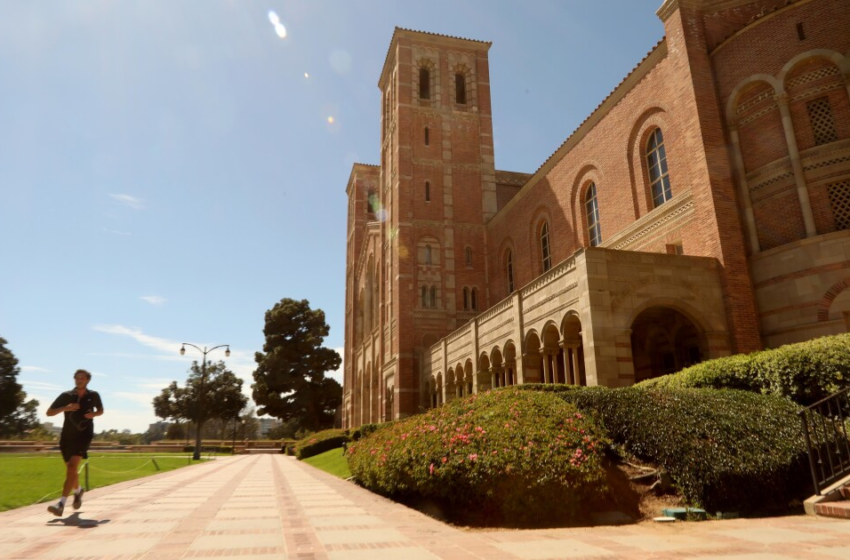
(75, 444)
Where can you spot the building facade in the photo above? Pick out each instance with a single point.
(703, 209)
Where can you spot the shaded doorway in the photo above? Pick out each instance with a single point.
(665, 341)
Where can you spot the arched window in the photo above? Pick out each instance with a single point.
(591, 207)
(433, 296)
(465, 297)
(427, 254)
(424, 296)
(427, 136)
(474, 299)
(656, 162)
(468, 256)
(427, 191)
(544, 247)
(424, 83)
(509, 269)
(460, 88)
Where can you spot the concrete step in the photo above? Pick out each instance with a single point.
(834, 509)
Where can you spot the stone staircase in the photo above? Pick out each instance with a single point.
(838, 508)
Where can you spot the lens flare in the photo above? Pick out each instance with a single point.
(306, 75)
(331, 120)
(274, 19)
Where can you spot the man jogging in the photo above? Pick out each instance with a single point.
(80, 406)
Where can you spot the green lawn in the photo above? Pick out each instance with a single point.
(30, 479)
(332, 462)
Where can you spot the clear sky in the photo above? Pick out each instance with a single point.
(169, 170)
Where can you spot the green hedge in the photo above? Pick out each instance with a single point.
(726, 450)
(363, 431)
(805, 372)
(320, 442)
(512, 457)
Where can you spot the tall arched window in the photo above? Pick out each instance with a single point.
(424, 83)
(433, 296)
(509, 270)
(474, 298)
(424, 296)
(656, 162)
(427, 254)
(544, 247)
(468, 253)
(427, 191)
(465, 298)
(460, 88)
(591, 207)
(427, 136)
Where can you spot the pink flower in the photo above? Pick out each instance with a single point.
(445, 459)
(473, 456)
(431, 469)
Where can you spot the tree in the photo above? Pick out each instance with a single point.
(17, 414)
(290, 382)
(223, 399)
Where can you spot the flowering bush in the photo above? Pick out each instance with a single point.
(804, 372)
(514, 457)
(320, 442)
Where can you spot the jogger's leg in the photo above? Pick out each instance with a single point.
(72, 479)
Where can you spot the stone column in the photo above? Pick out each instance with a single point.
(796, 165)
(565, 349)
(547, 374)
(741, 172)
(492, 378)
(458, 389)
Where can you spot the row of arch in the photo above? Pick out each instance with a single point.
(807, 104)
(663, 339)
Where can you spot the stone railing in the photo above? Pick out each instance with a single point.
(678, 207)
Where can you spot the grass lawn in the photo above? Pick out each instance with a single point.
(332, 462)
(29, 479)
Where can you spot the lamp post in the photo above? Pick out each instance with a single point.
(200, 421)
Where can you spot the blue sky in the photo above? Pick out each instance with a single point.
(170, 170)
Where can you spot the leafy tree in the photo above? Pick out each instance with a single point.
(223, 398)
(17, 414)
(290, 381)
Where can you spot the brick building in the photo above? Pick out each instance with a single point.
(703, 209)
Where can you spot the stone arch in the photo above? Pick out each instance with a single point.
(451, 385)
(484, 372)
(550, 352)
(510, 362)
(468, 378)
(572, 350)
(532, 359)
(665, 340)
(836, 58)
(839, 293)
(745, 84)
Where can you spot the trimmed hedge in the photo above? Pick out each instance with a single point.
(512, 457)
(320, 442)
(726, 450)
(804, 372)
(363, 430)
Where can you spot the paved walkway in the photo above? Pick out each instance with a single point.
(272, 506)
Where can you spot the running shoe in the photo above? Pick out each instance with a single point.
(56, 509)
(78, 498)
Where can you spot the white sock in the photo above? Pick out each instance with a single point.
(62, 500)
(78, 490)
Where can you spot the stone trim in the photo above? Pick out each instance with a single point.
(675, 209)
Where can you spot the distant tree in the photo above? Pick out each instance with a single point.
(17, 414)
(290, 382)
(286, 430)
(223, 398)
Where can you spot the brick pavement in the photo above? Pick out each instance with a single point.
(271, 506)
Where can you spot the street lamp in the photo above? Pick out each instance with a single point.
(197, 454)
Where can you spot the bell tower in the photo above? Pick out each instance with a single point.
(437, 191)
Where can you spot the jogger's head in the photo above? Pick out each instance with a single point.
(81, 378)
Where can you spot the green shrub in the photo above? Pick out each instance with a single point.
(805, 372)
(513, 457)
(726, 450)
(320, 442)
(363, 431)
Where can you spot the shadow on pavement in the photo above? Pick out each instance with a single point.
(74, 520)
